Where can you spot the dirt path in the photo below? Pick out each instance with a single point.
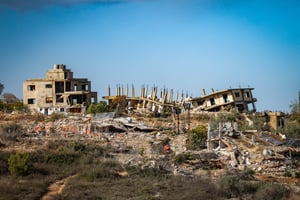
(56, 188)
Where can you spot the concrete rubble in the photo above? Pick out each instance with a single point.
(143, 143)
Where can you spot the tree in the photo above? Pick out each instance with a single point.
(98, 108)
(197, 137)
(18, 164)
(9, 98)
(292, 125)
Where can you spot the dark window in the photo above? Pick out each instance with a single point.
(237, 94)
(31, 87)
(240, 107)
(31, 101)
(48, 85)
(212, 101)
(225, 97)
(85, 87)
(247, 94)
(59, 99)
(62, 109)
(68, 86)
(59, 87)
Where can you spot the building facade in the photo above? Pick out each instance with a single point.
(239, 98)
(58, 92)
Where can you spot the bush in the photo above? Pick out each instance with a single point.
(181, 158)
(97, 108)
(18, 164)
(62, 158)
(236, 186)
(287, 174)
(297, 174)
(197, 137)
(269, 190)
(10, 132)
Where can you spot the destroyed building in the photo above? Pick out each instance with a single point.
(238, 98)
(58, 92)
(223, 100)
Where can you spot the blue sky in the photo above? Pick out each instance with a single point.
(185, 45)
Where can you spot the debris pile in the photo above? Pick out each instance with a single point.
(136, 141)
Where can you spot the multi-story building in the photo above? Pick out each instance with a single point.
(238, 98)
(58, 92)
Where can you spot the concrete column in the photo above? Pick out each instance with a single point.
(209, 144)
(220, 134)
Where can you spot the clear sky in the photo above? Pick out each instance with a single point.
(185, 45)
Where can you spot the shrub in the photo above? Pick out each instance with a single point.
(79, 147)
(197, 137)
(18, 164)
(287, 174)
(236, 186)
(297, 174)
(181, 158)
(56, 116)
(62, 158)
(98, 108)
(10, 132)
(269, 190)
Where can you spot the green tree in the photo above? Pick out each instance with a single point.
(91, 109)
(292, 125)
(98, 108)
(18, 164)
(102, 107)
(197, 137)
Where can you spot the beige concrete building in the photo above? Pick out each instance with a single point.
(58, 92)
(275, 120)
(238, 98)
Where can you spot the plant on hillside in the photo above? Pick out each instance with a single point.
(197, 137)
(18, 164)
(98, 108)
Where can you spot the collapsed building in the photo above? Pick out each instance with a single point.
(223, 100)
(58, 92)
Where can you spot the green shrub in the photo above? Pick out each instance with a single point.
(287, 174)
(297, 174)
(62, 158)
(269, 190)
(79, 147)
(18, 164)
(181, 158)
(239, 185)
(197, 137)
(98, 108)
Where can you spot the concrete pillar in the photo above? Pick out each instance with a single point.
(171, 96)
(209, 143)
(132, 91)
(220, 134)
(146, 92)
(155, 93)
